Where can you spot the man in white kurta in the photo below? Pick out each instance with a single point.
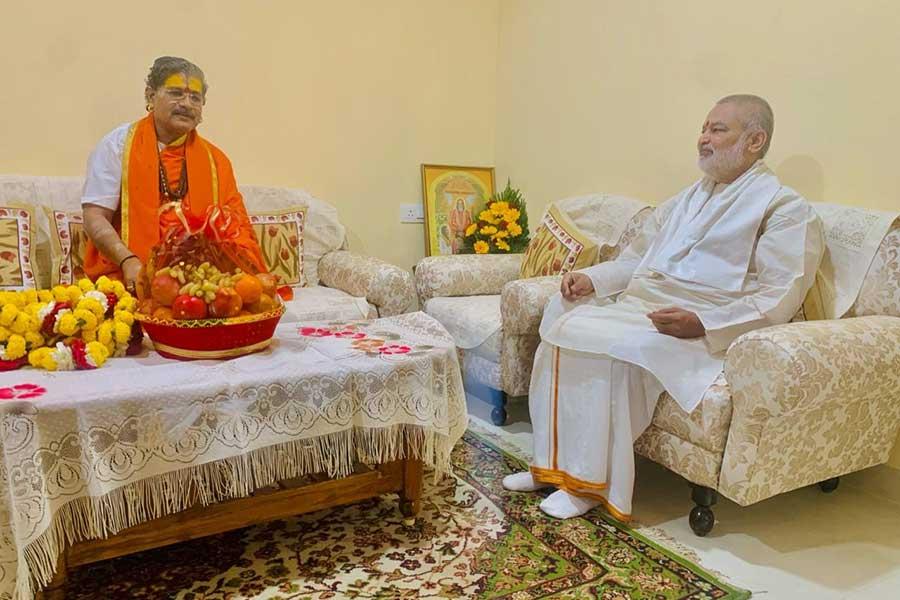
(735, 251)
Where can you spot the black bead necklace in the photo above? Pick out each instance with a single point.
(178, 194)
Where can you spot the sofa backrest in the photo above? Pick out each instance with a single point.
(608, 219)
(322, 233)
(880, 292)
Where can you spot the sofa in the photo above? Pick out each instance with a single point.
(301, 236)
(470, 294)
(796, 404)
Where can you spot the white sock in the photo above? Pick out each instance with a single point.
(522, 482)
(564, 505)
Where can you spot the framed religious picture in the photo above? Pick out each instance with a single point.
(453, 197)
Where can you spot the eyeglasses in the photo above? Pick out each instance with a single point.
(177, 95)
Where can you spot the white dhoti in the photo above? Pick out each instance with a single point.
(587, 410)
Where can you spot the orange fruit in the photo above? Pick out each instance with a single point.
(264, 304)
(147, 306)
(227, 303)
(269, 283)
(249, 288)
(163, 312)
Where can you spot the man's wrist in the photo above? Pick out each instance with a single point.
(126, 259)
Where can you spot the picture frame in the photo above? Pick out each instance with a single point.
(452, 197)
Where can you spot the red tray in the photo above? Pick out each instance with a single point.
(211, 338)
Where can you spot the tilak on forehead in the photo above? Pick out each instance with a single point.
(177, 81)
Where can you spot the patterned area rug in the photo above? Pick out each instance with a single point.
(472, 540)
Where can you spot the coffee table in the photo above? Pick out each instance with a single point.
(147, 452)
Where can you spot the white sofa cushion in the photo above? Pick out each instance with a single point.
(471, 320)
(319, 303)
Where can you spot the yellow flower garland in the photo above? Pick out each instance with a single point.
(23, 314)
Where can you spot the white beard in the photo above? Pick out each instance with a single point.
(719, 165)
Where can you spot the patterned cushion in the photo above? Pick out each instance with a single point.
(67, 242)
(557, 247)
(280, 236)
(17, 248)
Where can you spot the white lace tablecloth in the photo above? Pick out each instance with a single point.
(86, 454)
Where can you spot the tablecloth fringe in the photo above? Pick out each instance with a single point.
(147, 499)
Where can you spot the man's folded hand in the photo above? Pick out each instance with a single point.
(575, 286)
(677, 322)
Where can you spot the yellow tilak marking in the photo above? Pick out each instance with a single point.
(195, 85)
(176, 81)
(126, 156)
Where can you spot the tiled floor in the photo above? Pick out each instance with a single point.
(803, 544)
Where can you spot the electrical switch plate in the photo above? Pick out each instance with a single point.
(411, 213)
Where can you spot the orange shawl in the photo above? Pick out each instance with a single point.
(213, 202)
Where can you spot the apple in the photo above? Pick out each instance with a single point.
(186, 307)
(164, 289)
(227, 303)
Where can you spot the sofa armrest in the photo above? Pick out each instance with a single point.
(811, 401)
(388, 287)
(465, 275)
(796, 367)
(522, 303)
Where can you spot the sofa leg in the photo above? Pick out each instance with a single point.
(702, 518)
(498, 399)
(829, 485)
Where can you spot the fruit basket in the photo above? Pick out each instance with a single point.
(199, 312)
(211, 338)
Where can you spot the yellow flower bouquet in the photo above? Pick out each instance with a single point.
(67, 327)
(501, 228)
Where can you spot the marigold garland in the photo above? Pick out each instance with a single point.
(67, 327)
(502, 227)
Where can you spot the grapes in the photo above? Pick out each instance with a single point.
(202, 281)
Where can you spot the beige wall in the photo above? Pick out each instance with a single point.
(342, 98)
(609, 96)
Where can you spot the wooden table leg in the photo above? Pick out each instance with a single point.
(411, 494)
(56, 589)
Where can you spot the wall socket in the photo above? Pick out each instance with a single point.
(411, 213)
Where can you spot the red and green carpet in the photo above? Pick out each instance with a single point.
(473, 540)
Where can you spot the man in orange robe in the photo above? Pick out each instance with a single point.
(156, 178)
